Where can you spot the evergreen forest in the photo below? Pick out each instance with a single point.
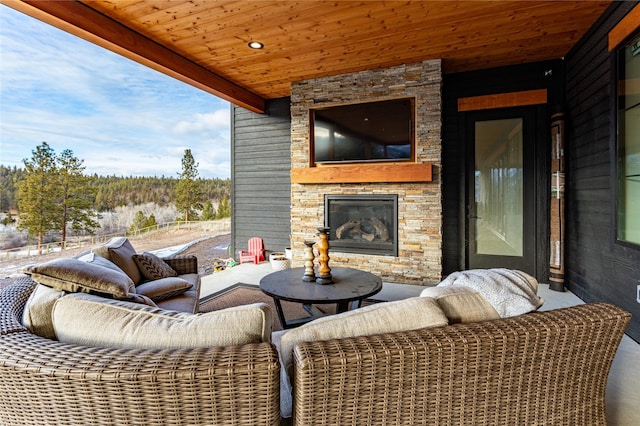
(52, 198)
(113, 191)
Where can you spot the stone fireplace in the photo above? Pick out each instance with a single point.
(416, 255)
(366, 224)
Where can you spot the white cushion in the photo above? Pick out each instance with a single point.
(89, 320)
(509, 291)
(387, 317)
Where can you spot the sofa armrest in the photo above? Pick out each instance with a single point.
(542, 368)
(187, 264)
(13, 300)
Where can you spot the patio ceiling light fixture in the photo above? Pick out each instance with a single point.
(255, 45)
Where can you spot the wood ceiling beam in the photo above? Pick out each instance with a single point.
(80, 20)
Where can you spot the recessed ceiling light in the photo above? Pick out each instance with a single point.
(255, 45)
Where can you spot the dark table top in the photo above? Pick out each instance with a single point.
(348, 284)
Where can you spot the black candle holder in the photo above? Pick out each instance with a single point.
(309, 275)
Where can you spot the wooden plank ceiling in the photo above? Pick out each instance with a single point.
(309, 39)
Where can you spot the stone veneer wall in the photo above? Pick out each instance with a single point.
(419, 258)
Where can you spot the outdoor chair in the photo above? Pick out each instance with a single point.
(255, 253)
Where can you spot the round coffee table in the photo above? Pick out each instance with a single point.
(350, 286)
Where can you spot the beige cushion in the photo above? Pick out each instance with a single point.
(84, 319)
(120, 251)
(152, 267)
(388, 317)
(164, 288)
(461, 304)
(37, 312)
(73, 275)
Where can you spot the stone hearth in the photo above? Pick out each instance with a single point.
(419, 250)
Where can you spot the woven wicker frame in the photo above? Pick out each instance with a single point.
(44, 382)
(547, 368)
(185, 264)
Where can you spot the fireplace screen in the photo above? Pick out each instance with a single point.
(363, 223)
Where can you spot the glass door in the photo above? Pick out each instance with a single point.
(501, 190)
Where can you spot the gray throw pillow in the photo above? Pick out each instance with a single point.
(73, 275)
(99, 260)
(163, 288)
(152, 267)
(120, 251)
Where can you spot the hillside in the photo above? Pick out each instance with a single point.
(208, 248)
(114, 191)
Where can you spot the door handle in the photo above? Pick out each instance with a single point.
(471, 215)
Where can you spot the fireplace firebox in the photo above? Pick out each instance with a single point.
(365, 224)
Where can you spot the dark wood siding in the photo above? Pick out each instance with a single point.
(260, 175)
(543, 75)
(598, 268)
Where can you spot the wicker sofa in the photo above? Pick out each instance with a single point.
(545, 368)
(45, 382)
(542, 368)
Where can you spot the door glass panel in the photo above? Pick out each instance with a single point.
(499, 186)
(629, 141)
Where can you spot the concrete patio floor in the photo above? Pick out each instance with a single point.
(623, 387)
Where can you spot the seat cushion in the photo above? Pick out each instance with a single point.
(89, 320)
(189, 301)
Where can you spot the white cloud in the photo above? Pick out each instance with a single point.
(211, 122)
(119, 116)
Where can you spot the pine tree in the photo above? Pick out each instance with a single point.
(38, 194)
(189, 194)
(139, 222)
(151, 222)
(114, 191)
(224, 209)
(77, 196)
(207, 211)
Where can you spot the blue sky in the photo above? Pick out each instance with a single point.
(120, 117)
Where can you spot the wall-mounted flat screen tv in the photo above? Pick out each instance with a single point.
(369, 131)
